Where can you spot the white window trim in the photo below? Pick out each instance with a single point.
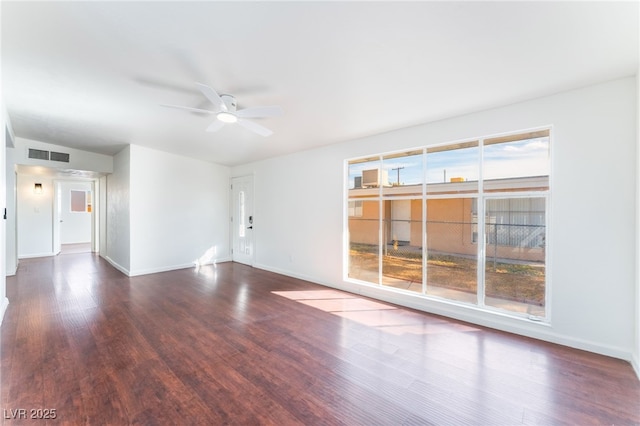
(481, 196)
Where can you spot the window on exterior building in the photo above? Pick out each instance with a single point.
(415, 220)
(355, 208)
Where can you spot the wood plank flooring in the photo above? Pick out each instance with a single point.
(230, 344)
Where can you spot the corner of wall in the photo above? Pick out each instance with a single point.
(7, 141)
(117, 213)
(635, 361)
(3, 308)
(117, 266)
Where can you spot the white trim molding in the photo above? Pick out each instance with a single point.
(117, 266)
(635, 363)
(32, 256)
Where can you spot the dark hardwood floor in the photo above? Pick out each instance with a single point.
(236, 345)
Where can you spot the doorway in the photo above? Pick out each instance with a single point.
(74, 217)
(33, 216)
(242, 220)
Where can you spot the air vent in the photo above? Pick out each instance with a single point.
(38, 154)
(59, 156)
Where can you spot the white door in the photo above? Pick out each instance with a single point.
(242, 220)
(401, 220)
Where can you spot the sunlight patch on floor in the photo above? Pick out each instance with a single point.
(368, 312)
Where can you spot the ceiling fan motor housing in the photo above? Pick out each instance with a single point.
(230, 102)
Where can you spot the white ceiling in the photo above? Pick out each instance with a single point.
(91, 75)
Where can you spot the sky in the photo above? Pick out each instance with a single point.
(502, 160)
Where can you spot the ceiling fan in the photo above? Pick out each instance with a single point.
(226, 112)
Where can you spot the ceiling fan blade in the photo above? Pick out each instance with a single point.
(213, 96)
(258, 112)
(188, 108)
(255, 127)
(215, 126)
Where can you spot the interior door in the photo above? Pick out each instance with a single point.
(242, 219)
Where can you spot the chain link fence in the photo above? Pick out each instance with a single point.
(505, 242)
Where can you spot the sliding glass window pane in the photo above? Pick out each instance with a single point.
(402, 245)
(451, 250)
(453, 169)
(364, 177)
(517, 162)
(515, 254)
(403, 174)
(364, 242)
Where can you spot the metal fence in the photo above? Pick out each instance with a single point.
(513, 235)
(403, 238)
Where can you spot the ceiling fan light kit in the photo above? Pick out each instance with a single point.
(226, 117)
(226, 112)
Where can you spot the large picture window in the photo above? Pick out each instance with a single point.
(464, 222)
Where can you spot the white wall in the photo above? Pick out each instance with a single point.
(102, 218)
(11, 222)
(299, 205)
(636, 354)
(179, 211)
(75, 226)
(7, 141)
(35, 217)
(118, 239)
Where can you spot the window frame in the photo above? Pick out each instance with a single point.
(481, 197)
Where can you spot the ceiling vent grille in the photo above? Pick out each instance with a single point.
(59, 156)
(38, 154)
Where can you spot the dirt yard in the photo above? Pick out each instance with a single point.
(517, 282)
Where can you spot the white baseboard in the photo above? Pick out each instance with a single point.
(31, 256)
(147, 271)
(214, 262)
(176, 267)
(3, 309)
(635, 363)
(117, 265)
